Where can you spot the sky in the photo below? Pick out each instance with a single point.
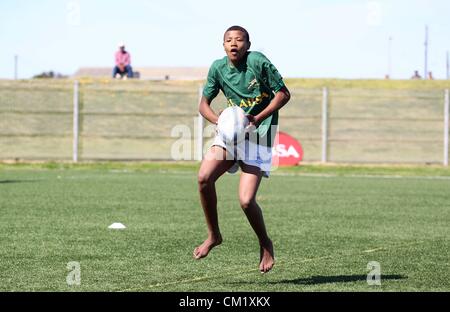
(348, 39)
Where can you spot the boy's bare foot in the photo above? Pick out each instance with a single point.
(203, 250)
(266, 257)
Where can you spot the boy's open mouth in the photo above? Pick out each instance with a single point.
(234, 51)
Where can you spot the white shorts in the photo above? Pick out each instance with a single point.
(249, 153)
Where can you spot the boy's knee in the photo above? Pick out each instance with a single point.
(203, 180)
(245, 202)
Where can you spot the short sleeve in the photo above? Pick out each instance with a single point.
(271, 76)
(212, 87)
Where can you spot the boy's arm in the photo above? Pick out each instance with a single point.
(205, 109)
(280, 99)
(210, 91)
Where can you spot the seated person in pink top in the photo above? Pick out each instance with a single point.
(123, 61)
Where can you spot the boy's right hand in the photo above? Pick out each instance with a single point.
(220, 112)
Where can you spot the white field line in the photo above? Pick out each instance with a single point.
(278, 264)
(189, 175)
(314, 175)
(274, 173)
(373, 250)
(369, 176)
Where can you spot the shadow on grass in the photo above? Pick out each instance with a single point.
(16, 181)
(317, 280)
(314, 280)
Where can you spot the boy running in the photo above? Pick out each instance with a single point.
(249, 80)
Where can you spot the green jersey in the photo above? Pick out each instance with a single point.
(250, 85)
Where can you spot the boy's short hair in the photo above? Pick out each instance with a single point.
(240, 28)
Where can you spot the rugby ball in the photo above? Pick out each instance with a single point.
(232, 124)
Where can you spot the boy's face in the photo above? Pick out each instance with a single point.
(236, 44)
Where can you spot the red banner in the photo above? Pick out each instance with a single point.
(287, 151)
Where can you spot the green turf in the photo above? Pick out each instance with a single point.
(327, 223)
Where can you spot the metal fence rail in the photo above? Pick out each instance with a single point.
(138, 121)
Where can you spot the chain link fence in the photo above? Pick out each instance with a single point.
(137, 120)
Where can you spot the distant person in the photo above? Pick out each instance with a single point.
(416, 75)
(123, 64)
(430, 76)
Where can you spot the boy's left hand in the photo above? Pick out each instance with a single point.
(254, 121)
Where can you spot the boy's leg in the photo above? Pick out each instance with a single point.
(248, 186)
(213, 166)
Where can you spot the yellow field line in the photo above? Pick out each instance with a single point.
(278, 263)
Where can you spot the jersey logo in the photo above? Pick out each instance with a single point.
(254, 83)
(250, 102)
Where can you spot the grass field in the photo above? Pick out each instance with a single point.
(327, 223)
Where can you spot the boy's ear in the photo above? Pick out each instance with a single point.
(249, 44)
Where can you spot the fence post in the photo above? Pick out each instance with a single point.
(325, 125)
(200, 129)
(446, 127)
(75, 122)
